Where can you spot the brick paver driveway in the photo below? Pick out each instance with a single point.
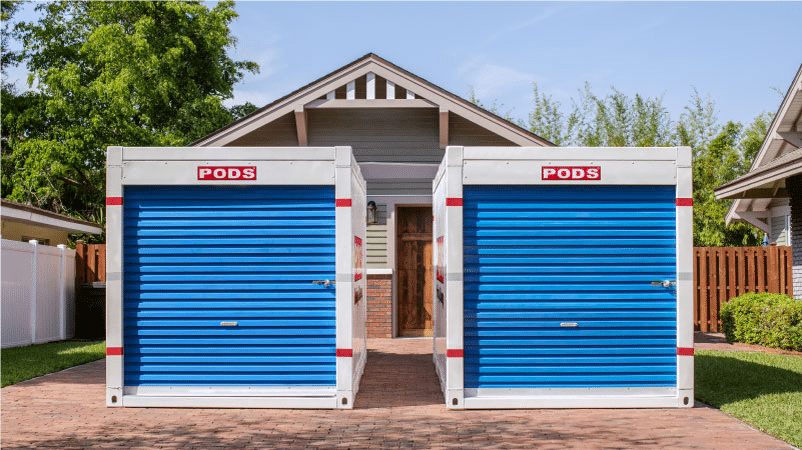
(399, 406)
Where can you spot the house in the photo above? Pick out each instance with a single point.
(398, 125)
(24, 223)
(769, 196)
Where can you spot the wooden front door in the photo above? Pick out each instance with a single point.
(414, 264)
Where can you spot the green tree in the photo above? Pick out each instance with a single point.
(698, 124)
(8, 58)
(717, 163)
(113, 73)
(728, 156)
(239, 111)
(547, 120)
(614, 120)
(16, 108)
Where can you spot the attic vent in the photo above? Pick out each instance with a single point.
(370, 87)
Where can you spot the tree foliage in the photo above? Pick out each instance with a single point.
(720, 161)
(613, 120)
(720, 153)
(8, 58)
(112, 73)
(547, 120)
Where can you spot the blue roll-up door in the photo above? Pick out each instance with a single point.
(558, 289)
(218, 286)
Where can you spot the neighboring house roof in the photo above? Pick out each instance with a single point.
(779, 157)
(338, 90)
(18, 212)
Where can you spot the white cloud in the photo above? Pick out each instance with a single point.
(491, 80)
(651, 25)
(470, 65)
(543, 16)
(259, 88)
(268, 60)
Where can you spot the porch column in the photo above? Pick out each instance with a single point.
(794, 186)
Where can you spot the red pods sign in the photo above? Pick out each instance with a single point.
(571, 173)
(227, 173)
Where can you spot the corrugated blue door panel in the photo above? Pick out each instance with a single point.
(198, 256)
(539, 259)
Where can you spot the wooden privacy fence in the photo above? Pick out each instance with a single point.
(722, 273)
(90, 263)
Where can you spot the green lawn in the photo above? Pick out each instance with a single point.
(24, 363)
(761, 389)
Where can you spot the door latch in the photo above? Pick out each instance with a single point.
(326, 283)
(664, 283)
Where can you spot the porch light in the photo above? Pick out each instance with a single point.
(371, 212)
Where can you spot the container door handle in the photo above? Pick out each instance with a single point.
(326, 283)
(664, 283)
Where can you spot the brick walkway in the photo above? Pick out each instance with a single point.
(399, 406)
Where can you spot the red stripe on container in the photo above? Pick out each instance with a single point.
(684, 351)
(453, 202)
(684, 202)
(342, 202)
(455, 353)
(345, 352)
(114, 201)
(114, 351)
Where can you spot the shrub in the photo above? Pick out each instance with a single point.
(771, 320)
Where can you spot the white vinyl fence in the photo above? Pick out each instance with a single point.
(38, 295)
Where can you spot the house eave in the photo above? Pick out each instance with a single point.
(14, 212)
(759, 184)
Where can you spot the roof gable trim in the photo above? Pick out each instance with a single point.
(420, 93)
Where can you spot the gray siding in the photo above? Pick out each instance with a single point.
(779, 230)
(461, 131)
(376, 250)
(278, 133)
(379, 135)
(400, 187)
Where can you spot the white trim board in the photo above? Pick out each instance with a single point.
(32, 218)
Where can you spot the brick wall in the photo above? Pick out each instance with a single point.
(380, 306)
(794, 185)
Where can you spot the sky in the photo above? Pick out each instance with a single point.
(739, 53)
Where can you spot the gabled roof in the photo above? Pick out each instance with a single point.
(329, 90)
(779, 157)
(17, 212)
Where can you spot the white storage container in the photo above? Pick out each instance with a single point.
(564, 277)
(235, 277)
